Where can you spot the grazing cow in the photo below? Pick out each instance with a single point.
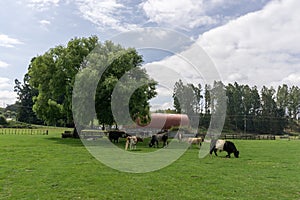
(114, 136)
(159, 137)
(153, 141)
(139, 139)
(191, 141)
(131, 141)
(197, 140)
(223, 145)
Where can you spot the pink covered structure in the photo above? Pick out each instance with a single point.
(166, 121)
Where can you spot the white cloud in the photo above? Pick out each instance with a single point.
(4, 83)
(163, 106)
(190, 14)
(186, 14)
(123, 15)
(44, 24)
(236, 77)
(42, 5)
(3, 64)
(260, 48)
(6, 41)
(6, 95)
(292, 79)
(105, 13)
(190, 66)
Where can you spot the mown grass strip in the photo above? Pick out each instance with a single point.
(48, 167)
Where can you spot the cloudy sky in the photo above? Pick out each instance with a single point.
(253, 42)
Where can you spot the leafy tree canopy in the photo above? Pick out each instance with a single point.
(86, 62)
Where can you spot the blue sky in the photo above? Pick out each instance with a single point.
(253, 42)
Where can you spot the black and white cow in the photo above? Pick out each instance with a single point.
(159, 137)
(131, 142)
(223, 145)
(114, 135)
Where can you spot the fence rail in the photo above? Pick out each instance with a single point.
(16, 131)
(248, 137)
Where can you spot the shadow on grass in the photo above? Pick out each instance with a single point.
(78, 143)
(66, 141)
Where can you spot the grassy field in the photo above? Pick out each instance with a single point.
(48, 167)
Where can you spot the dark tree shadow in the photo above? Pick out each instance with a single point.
(66, 141)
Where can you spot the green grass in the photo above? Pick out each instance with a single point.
(48, 167)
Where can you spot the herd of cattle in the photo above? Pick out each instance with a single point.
(131, 142)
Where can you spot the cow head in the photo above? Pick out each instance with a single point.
(139, 139)
(125, 135)
(151, 144)
(236, 154)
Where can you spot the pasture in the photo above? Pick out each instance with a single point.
(48, 167)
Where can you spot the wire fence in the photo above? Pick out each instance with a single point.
(258, 137)
(248, 137)
(16, 131)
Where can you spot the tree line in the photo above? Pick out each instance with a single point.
(248, 109)
(45, 94)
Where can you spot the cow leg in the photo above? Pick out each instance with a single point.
(215, 151)
(210, 152)
(165, 144)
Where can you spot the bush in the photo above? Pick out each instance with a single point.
(16, 124)
(3, 120)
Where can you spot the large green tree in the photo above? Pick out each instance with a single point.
(187, 98)
(207, 100)
(294, 102)
(92, 66)
(252, 105)
(25, 103)
(282, 96)
(132, 87)
(235, 108)
(272, 117)
(52, 74)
